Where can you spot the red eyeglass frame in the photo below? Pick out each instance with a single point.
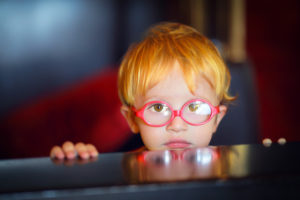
(140, 113)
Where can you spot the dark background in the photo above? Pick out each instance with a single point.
(58, 63)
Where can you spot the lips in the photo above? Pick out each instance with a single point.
(177, 144)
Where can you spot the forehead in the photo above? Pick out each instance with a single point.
(174, 89)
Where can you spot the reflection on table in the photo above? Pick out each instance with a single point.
(188, 164)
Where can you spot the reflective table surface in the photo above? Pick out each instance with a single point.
(234, 172)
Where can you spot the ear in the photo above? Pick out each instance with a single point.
(219, 116)
(130, 118)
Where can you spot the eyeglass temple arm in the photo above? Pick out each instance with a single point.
(217, 109)
(136, 112)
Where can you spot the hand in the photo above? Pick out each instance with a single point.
(70, 151)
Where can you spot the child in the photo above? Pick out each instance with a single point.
(174, 89)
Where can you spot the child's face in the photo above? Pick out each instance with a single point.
(177, 134)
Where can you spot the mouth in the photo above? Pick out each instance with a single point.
(177, 144)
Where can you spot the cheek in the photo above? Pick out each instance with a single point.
(202, 134)
(152, 137)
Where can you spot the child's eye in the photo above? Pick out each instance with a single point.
(158, 107)
(194, 107)
(199, 108)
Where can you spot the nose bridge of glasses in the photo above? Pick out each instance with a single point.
(176, 113)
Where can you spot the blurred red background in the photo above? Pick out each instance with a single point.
(273, 46)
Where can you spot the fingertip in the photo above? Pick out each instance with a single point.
(68, 146)
(59, 156)
(94, 154)
(92, 150)
(84, 155)
(56, 153)
(70, 155)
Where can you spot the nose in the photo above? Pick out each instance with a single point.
(177, 125)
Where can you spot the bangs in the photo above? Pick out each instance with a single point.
(152, 63)
(158, 59)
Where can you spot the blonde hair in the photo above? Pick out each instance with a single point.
(146, 63)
